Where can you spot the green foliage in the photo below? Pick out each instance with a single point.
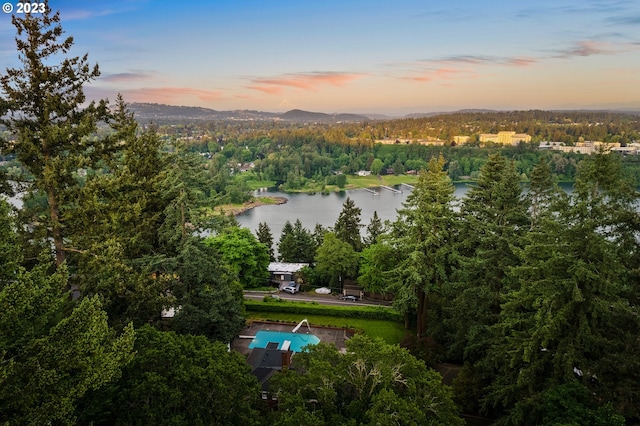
(377, 267)
(264, 236)
(176, 379)
(53, 352)
(422, 235)
(378, 313)
(347, 226)
(571, 404)
(375, 229)
(296, 244)
(11, 254)
(42, 105)
(371, 383)
(376, 166)
(337, 259)
(494, 218)
(570, 318)
(208, 298)
(247, 257)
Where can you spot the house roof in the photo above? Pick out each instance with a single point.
(286, 267)
(264, 363)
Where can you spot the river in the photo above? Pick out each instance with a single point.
(325, 208)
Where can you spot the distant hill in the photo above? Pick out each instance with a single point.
(164, 113)
(161, 113)
(298, 115)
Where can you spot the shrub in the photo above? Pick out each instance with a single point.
(379, 313)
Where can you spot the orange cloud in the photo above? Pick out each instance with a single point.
(310, 82)
(170, 94)
(442, 74)
(521, 62)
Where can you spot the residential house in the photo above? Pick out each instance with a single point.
(284, 274)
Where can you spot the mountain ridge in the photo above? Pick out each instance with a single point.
(154, 112)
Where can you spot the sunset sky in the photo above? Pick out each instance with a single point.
(362, 56)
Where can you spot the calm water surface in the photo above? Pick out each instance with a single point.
(325, 208)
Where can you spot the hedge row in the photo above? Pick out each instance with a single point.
(316, 309)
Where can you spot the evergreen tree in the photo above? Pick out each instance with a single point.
(42, 105)
(374, 230)
(264, 236)
(493, 220)
(52, 350)
(570, 321)
(296, 243)
(347, 227)
(424, 235)
(208, 297)
(305, 243)
(543, 190)
(318, 235)
(287, 244)
(11, 254)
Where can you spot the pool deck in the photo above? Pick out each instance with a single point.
(337, 336)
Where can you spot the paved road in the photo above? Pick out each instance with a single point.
(325, 299)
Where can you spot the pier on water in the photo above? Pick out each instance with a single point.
(371, 191)
(391, 189)
(407, 185)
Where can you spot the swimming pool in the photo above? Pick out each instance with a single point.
(298, 340)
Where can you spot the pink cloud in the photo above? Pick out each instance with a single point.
(461, 67)
(310, 82)
(269, 90)
(521, 62)
(483, 60)
(587, 48)
(171, 94)
(442, 75)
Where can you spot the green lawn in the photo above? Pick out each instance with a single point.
(390, 331)
(372, 181)
(257, 184)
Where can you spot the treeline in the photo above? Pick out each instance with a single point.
(300, 157)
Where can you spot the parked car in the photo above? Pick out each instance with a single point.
(350, 298)
(291, 289)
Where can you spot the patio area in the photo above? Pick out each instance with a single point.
(337, 336)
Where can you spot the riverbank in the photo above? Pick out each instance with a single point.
(236, 209)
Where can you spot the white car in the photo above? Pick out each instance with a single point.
(290, 289)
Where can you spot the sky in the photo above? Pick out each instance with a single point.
(359, 56)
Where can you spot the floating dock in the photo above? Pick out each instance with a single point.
(391, 189)
(371, 191)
